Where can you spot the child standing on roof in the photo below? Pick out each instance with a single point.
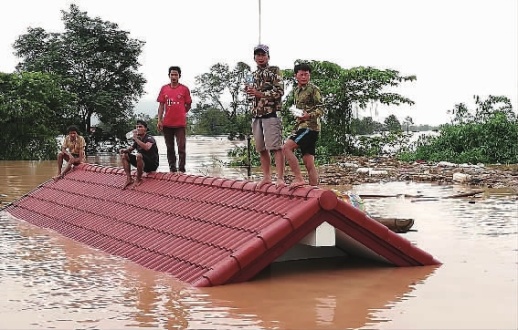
(309, 109)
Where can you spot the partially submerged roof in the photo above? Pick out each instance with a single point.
(203, 230)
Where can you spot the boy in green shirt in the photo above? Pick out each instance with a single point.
(309, 109)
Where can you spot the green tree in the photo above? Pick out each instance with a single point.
(209, 121)
(486, 134)
(222, 83)
(34, 110)
(365, 126)
(392, 124)
(97, 62)
(485, 108)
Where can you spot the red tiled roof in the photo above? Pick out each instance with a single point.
(203, 230)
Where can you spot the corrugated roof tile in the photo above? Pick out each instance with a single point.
(203, 230)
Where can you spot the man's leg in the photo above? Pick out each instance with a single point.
(61, 156)
(127, 169)
(150, 166)
(264, 155)
(140, 169)
(279, 167)
(68, 167)
(60, 161)
(309, 162)
(293, 162)
(265, 167)
(181, 140)
(169, 142)
(308, 156)
(272, 131)
(71, 162)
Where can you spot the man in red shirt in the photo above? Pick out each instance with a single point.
(174, 103)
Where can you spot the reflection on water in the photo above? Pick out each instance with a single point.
(48, 281)
(320, 294)
(51, 281)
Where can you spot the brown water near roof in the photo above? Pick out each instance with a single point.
(48, 281)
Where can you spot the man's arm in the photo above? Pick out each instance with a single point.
(64, 145)
(144, 145)
(161, 108)
(82, 146)
(319, 104)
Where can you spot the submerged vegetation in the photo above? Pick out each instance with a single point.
(487, 134)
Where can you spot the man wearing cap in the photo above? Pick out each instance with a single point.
(145, 160)
(267, 91)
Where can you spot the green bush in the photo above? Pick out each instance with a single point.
(491, 140)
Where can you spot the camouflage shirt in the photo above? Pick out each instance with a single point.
(308, 98)
(268, 81)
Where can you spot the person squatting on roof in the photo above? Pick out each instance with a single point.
(145, 160)
(307, 126)
(72, 151)
(267, 91)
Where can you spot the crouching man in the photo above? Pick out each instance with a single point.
(146, 158)
(72, 151)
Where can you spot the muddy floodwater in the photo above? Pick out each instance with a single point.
(48, 281)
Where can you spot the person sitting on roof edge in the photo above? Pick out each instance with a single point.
(145, 160)
(72, 151)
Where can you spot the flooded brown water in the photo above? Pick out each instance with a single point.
(49, 281)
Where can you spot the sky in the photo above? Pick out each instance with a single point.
(455, 48)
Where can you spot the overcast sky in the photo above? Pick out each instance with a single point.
(456, 48)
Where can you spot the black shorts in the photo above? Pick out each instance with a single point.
(306, 139)
(149, 164)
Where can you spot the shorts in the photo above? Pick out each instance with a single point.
(267, 133)
(149, 165)
(306, 139)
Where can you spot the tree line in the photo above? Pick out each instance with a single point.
(91, 71)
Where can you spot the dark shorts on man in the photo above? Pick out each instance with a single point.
(149, 165)
(306, 139)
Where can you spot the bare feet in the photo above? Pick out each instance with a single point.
(263, 182)
(280, 183)
(128, 182)
(57, 177)
(137, 182)
(146, 174)
(297, 184)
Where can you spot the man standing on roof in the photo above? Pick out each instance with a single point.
(308, 102)
(174, 103)
(267, 91)
(146, 159)
(72, 151)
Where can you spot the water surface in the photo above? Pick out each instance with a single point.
(51, 282)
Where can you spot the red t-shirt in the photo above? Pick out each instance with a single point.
(175, 100)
